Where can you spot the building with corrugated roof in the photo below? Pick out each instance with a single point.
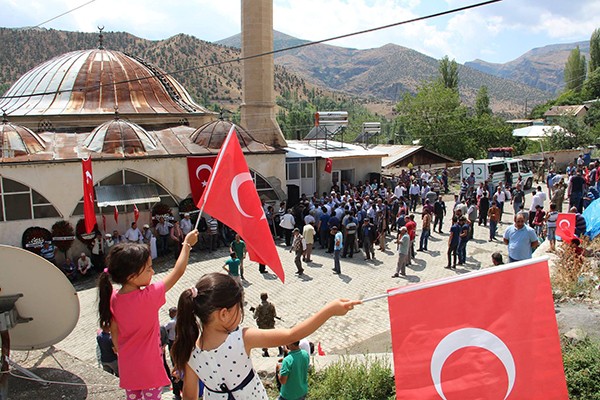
(137, 124)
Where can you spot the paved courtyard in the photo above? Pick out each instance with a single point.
(301, 296)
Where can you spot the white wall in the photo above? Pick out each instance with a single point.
(61, 183)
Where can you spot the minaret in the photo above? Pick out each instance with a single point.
(258, 88)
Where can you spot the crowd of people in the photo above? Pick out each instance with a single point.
(350, 219)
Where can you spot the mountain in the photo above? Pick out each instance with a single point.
(388, 72)
(219, 85)
(542, 67)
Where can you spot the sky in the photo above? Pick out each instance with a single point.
(499, 32)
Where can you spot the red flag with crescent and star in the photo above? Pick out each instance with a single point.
(199, 169)
(231, 197)
(89, 215)
(488, 334)
(116, 214)
(565, 226)
(328, 165)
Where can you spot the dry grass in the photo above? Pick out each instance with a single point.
(577, 274)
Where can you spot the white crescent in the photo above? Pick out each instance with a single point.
(235, 188)
(565, 222)
(471, 337)
(201, 167)
(88, 175)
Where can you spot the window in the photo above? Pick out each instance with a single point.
(496, 168)
(18, 201)
(124, 177)
(293, 171)
(306, 170)
(264, 188)
(514, 167)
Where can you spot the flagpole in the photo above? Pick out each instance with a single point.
(473, 274)
(214, 173)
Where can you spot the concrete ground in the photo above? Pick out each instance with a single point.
(363, 330)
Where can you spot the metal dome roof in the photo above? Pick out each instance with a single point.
(119, 137)
(16, 140)
(212, 135)
(95, 82)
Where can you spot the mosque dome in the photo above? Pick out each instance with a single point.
(212, 135)
(17, 140)
(119, 137)
(96, 82)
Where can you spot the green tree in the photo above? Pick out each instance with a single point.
(591, 87)
(436, 117)
(575, 69)
(482, 102)
(594, 51)
(448, 73)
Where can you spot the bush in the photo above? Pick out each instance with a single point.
(573, 271)
(353, 380)
(582, 369)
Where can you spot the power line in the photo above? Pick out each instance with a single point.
(238, 59)
(60, 15)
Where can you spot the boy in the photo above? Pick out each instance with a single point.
(232, 266)
(293, 373)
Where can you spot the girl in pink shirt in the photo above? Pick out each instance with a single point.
(131, 313)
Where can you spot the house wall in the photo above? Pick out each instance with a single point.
(61, 184)
(362, 166)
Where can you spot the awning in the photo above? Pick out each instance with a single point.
(120, 195)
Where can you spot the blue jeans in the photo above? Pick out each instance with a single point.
(462, 252)
(424, 239)
(336, 261)
(493, 228)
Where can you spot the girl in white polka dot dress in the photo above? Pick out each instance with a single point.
(217, 350)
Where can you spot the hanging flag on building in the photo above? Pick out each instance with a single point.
(565, 226)
(116, 214)
(89, 215)
(231, 198)
(136, 213)
(199, 169)
(328, 165)
(488, 334)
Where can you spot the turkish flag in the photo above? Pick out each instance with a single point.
(328, 165)
(490, 334)
(136, 213)
(199, 169)
(116, 215)
(565, 226)
(231, 197)
(89, 214)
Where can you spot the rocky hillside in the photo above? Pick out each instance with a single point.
(542, 67)
(390, 71)
(218, 85)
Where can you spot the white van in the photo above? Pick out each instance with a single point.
(494, 170)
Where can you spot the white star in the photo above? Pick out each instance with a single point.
(204, 183)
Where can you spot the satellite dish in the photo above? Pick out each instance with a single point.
(46, 305)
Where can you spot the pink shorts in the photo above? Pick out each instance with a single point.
(144, 394)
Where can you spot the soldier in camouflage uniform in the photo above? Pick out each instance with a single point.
(265, 315)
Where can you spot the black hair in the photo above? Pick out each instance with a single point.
(215, 291)
(123, 261)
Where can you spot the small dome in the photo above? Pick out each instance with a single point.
(213, 134)
(119, 137)
(17, 140)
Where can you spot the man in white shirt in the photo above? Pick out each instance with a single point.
(133, 234)
(536, 200)
(84, 264)
(399, 191)
(186, 224)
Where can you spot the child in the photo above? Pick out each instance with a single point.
(539, 220)
(132, 314)
(232, 266)
(551, 218)
(217, 350)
